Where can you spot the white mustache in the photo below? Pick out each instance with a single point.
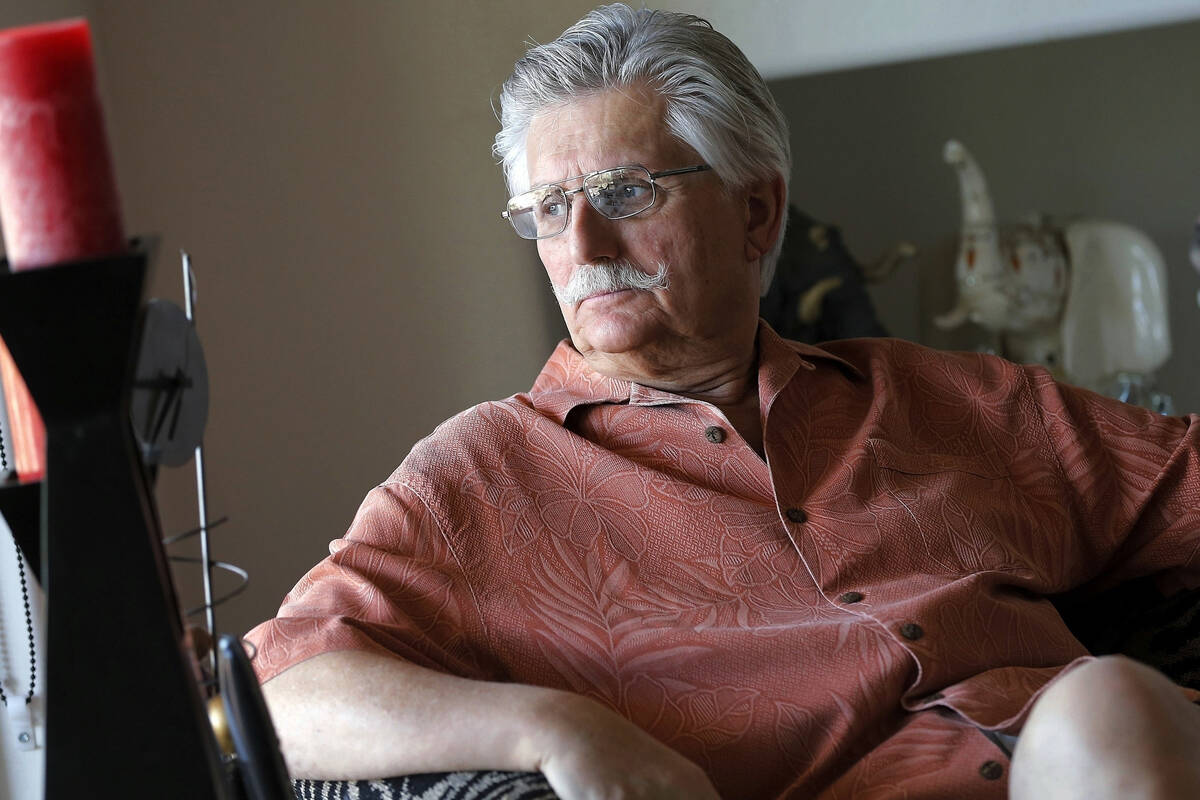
(608, 276)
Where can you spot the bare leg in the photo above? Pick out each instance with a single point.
(1113, 728)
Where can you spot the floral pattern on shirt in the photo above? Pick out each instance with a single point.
(837, 621)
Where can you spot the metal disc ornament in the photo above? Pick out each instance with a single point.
(169, 402)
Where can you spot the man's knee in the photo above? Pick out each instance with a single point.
(1114, 721)
(1116, 689)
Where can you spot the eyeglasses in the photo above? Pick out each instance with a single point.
(617, 193)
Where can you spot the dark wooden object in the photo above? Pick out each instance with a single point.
(123, 712)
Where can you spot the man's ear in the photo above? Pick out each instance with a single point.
(765, 213)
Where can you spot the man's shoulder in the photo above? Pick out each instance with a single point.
(887, 357)
(511, 415)
(474, 438)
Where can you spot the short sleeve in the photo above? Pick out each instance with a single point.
(1133, 485)
(391, 585)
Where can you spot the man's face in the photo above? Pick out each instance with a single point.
(696, 228)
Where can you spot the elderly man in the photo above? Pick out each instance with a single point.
(697, 560)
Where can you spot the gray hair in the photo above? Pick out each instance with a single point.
(717, 102)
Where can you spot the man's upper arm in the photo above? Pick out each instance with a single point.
(1132, 480)
(390, 585)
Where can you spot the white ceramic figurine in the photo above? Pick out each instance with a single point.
(1086, 298)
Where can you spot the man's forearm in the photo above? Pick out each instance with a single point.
(359, 715)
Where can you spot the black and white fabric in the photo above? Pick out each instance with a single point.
(433, 786)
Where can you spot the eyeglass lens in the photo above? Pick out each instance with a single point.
(615, 193)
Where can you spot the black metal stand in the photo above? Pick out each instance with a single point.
(21, 505)
(124, 715)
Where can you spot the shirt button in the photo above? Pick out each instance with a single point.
(796, 515)
(991, 770)
(714, 434)
(911, 631)
(851, 597)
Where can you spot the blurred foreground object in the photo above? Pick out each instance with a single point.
(26, 430)
(58, 197)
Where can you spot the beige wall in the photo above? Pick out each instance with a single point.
(328, 167)
(29, 12)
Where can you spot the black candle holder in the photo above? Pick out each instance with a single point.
(124, 712)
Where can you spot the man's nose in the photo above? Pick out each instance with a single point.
(593, 236)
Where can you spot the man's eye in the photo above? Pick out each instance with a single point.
(552, 208)
(620, 192)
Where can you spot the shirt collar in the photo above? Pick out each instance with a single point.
(566, 381)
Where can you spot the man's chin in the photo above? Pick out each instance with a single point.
(613, 339)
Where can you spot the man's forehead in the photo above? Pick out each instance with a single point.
(587, 133)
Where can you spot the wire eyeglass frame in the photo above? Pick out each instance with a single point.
(593, 197)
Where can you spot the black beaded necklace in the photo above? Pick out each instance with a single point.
(25, 600)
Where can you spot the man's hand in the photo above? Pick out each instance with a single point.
(590, 753)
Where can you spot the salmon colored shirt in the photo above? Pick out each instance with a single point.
(838, 621)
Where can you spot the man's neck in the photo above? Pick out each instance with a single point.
(743, 413)
(738, 400)
(731, 386)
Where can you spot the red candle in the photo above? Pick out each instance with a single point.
(58, 198)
